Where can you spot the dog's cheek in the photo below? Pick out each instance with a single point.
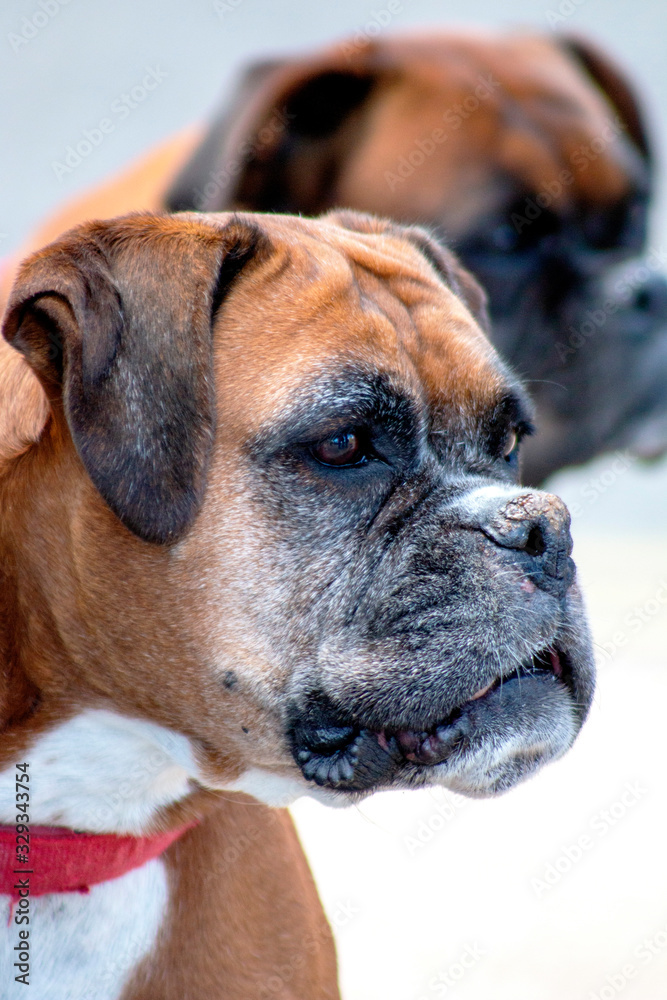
(231, 558)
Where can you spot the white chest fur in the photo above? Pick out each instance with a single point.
(103, 773)
(85, 947)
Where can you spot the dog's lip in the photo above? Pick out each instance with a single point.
(435, 745)
(548, 659)
(482, 691)
(353, 758)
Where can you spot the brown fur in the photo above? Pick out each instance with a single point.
(244, 919)
(417, 79)
(530, 156)
(92, 613)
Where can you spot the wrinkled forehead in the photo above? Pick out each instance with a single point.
(330, 308)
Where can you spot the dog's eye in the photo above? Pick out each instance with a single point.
(340, 450)
(503, 237)
(511, 448)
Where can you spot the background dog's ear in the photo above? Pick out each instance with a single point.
(615, 86)
(446, 263)
(281, 142)
(115, 319)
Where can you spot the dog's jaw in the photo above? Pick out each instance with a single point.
(499, 737)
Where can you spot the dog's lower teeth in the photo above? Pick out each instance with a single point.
(323, 772)
(346, 769)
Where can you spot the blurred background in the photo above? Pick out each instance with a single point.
(559, 889)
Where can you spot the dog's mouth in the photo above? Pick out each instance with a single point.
(353, 758)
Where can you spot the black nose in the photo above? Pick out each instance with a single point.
(650, 298)
(536, 525)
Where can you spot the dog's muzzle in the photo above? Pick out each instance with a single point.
(502, 728)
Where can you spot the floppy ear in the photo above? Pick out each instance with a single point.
(281, 142)
(115, 319)
(616, 88)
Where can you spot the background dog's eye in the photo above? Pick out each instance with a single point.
(342, 449)
(503, 237)
(511, 448)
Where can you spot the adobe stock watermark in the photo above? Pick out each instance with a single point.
(120, 109)
(565, 10)
(222, 7)
(633, 623)
(31, 26)
(580, 160)
(446, 808)
(604, 820)
(642, 955)
(597, 485)
(594, 319)
(378, 21)
(454, 117)
(448, 978)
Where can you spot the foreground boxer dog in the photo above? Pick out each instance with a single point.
(270, 542)
(530, 155)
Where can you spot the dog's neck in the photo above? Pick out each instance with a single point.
(92, 768)
(18, 696)
(103, 773)
(20, 544)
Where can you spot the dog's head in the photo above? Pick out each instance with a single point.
(276, 507)
(529, 155)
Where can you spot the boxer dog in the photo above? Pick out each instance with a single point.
(269, 542)
(529, 154)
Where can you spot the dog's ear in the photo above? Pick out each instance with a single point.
(615, 87)
(281, 142)
(446, 263)
(115, 319)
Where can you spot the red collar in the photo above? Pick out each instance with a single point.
(61, 860)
